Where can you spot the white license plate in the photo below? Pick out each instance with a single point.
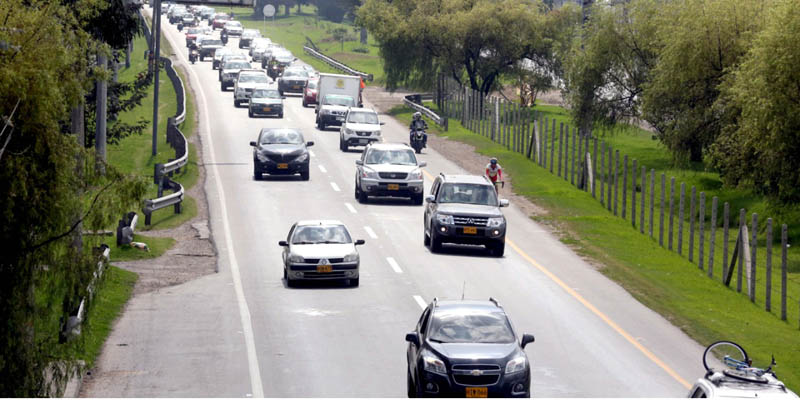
(363, 141)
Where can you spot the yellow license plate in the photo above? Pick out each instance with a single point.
(283, 166)
(266, 109)
(393, 186)
(470, 230)
(295, 87)
(477, 392)
(324, 268)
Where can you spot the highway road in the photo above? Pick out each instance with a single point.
(243, 333)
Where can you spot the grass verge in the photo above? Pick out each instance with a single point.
(157, 246)
(661, 279)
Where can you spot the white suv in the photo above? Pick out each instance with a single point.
(249, 80)
(360, 127)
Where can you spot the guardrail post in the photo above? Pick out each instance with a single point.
(753, 246)
(768, 289)
(784, 246)
(157, 168)
(714, 202)
(701, 220)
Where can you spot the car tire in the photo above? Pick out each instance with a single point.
(222, 86)
(290, 282)
(411, 389)
(305, 175)
(355, 191)
(321, 125)
(280, 115)
(236, 103)
(202, 57)
(417, 199)
(285, 275)
(362, 197)
(250, 113)
(498, 250)
(257, 174)
(305, 104)
(426, 240)
(354, 282)
(436, 243)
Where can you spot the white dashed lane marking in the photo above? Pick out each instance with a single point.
(394, 265)
(322, 168)
(420, 302)
(335, 186)
(351, 208)
(370, 232)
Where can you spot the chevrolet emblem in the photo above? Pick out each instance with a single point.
(476, 372)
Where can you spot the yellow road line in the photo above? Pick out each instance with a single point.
(649, 354)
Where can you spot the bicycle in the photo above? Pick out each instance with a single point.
(738, 364)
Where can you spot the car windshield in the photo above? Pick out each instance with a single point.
(470, 327)
(284, 58)
(233, 24)
(237, 65)
(195, 30)
(339, 100)
(397, 157)
(362, 117)
(468, 193)
(295, 72)
(212, 42)
(312, 84)
(313, 234)
(281, 136)
(266, 94)
(257, 78)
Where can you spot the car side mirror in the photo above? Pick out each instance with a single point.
(423, 164)
(503, 203)
(309, 144)
(383, 123)
(359, 162)
(283, 243)
(413, 337)
(430, 199)
(283, 97)
(253, 144)
(526, 338)
(359, 242)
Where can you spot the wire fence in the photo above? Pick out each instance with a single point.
(746, 252)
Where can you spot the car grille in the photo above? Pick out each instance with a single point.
(323, 275)
(316, 260)
(471, 221)
(476, 375)
(392, 175)
(364, 133)
(334, 112)
(281, 157)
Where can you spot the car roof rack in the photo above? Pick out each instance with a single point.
(493, 300)
(435, 301)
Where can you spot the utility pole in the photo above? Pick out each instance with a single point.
(101, 97)
(156, 57)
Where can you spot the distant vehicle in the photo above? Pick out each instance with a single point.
(248, 80)
(233, 28)
(265, 102)
(208, 46)
(247, 37)
(219, 20)
(391, 170)
(293, 80)
(257, 48)
(467, 348)
(310, 92)
(730, 374)
(280, 151)
(464, 209)
(359, 127)
(332, 98)
(193, 33)
(320, 250)
(207, 13)
(230, 72)
(232, 56)
(188, 20)
(218, 56)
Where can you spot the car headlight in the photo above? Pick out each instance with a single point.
(445, 219)
(348, 131)
(239, 91)
(302, 157)
(369, 173)
(517, 364)
(323, 111)
(495, 222)
(351, 257)
(415, 175)
(376, 133)
(262, 157)
(296, 258)
(431, 363)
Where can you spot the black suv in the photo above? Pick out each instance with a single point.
(467, 348)
(465, 209)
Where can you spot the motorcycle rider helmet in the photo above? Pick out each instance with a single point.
(493, 161)
(417, 116)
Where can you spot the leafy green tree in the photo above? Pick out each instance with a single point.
(762, 148)
(474, 41)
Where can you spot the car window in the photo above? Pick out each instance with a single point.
(314, 234)
(212, 42)
(294, 72)
(395, 157)
(468, 193)
(360, 117)
(422, 326)
(281, 136)
(470, 327)
(257, 78)
(339, 100)
(312, 85)
(235, 24)
(435, 187)
(237, 65)
(266, 94)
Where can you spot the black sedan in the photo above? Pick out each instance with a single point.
(467, 348)
(280, 151)
(265, 102)
(293, 80)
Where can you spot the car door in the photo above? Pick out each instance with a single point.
(429, 206)
(360, 168)
(413, 350)
(287, 249)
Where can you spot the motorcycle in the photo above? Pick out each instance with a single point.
(224, 38)
(274, 71)
(193, 55)
(418, 140)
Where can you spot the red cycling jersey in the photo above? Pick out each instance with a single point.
(494, 173)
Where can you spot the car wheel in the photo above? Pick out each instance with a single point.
(436, 243)
(201, 57)
(354, 282)
(250, 113)
(280, 115)
(280, 92)
(305, 104)
(222, 86)
(304, 175)
(257, 175)
(321, 125)
(355, 191)
(417, 198)
(236, 103)
(290, 282)
(426, 240)
(411, 389)
(285, 275)
(498, 249)
(362, 196)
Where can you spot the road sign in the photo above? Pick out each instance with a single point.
(269, 10)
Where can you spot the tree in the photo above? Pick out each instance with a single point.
(761, 148)
(474, 41)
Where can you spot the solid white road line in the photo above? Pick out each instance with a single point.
(420, 302)
(370, 232)
(321, 168)
(244, 311)
(394, 265)
(335, 187)
(351, 208)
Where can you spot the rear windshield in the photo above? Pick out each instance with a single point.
(282, 136)
(266, 94)
(470, 327)
(237, 65)
(362, 118)
(257, 78)
(212, 42)
(295, 72)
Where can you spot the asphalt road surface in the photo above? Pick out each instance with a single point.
(242, 332)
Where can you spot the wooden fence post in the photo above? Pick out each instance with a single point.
(661, 211)
(602, 172)
(616, 180)
(714, 202)
(561, 148)
(652, 198)
(633, 193)
(784, 240)
(609, 198)
(742, 250)
(579, 159)
(553, 147)
(681, 203)
(768, 297)
(692, 211)
(594, 166)
(671, 209)
(726, 208)
(644, 190)
(624, 186)
(753, 246)
(572, 160)
(701, 220)
(544, 147)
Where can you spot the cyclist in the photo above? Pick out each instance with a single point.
(494, 172)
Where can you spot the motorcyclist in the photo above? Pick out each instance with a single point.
(193, 51)
(417, 123)
(494, 172)
(224, 37)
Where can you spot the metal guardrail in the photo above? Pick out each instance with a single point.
(336, 64)
(414, 101)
